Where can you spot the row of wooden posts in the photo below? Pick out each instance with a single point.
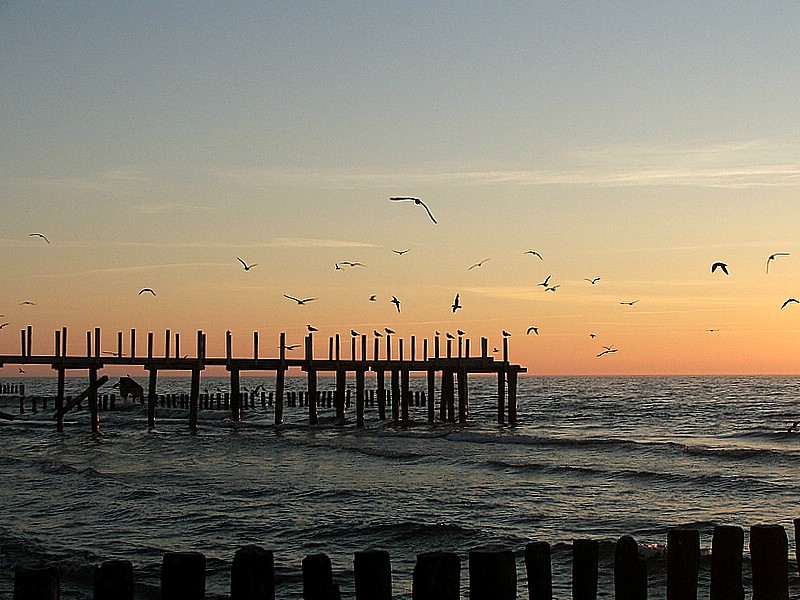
(453, 369)
(492, 572)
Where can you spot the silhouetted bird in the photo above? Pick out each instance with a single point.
(628, 302)
(773, 257)
(311, 327)
(450, 336)
(533, 329)
(377, 333)
(27, 303)
(456, 305)
(506, 334)
(147, 290)
(793, 426)
(41, 235)
(396, 302)
(373, 298)
(388, 331)
(720, 265)
(535, 253)
(245, 265)
(478, 264)
(546, 281)
(608, 350)
(299, 300)
(354, 333)
(351, 263)
(416, 201)
(790, 301)
(593, 280)
(460, 333)
(401, 252)
(3, 325)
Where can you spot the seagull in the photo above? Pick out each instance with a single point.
(712, 330)
(790, 301)
(478, 264)
(396, 302)
(388, 331)
(546, 281)
(373, 298)
(27, 303)
(149, 290)
(416, 201)
(245, 265)
(552, 288)
(793, 427)
(299, 300)
(593, 280)
(629, 302)
(41, 235)
(720, 265)
(310, 327)
(534, 253)
(292, 347)
(377, 333)
(460, 333)
(401, 252)
(533, 329)
(506, 334)
(354, 333)
(21, 370)
(456, 305)
(608, 350)
(592, 335)
(773, 257)
(337, 267)
(352, 264)
(450, 336)
(4, 324)
(495, 350)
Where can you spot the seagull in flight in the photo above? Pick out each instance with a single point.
(533, 329)
(608, 350)
(592, 335)
(720, 265)
(773, 257)
(373, 298)
(790, 301)
(245, 265)
(546, 281)
(534, 253)
(291, 347)
(416, 201)
(552, 288)
(793, 427)
(478, 264)
(628, 302)
(27, 303)
(401, 252)
(299, 301)
(148, 290)
(396, 302)
(593, 280)
(456, 305)
(41, 235)
(352, 264)
(4, 325)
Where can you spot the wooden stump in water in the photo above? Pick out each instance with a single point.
(40, 583)
(630, 572)
(727, 546)
(318, 578)
(373, 575)
(585, 554)
(769, 549)
(183, 576)
(437, 576)
(492, 574)
(683, 563)
(113, 580)
(539, 570)
(253, 574)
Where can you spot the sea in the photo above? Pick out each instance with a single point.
(589, 458)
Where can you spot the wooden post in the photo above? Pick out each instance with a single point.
(236, 396)
(501, 396)
(796, 544)
(113, 580)
(167, 336)
(341, 383)
(463, 396)
(318, 578)
(437, 576)
(372, 572)
(253, 574)
(436, 344)
(505, 349)
(388, 346)
(413, 348)
(151, 396)
(630, 572)
(313, 409)
(97, 352)
(484, 348)
(36, 583)
(150, 344)
(280, 381)
(133, 343)
(60, 400)
(769, 549)
(683, 563)
(194, 400)
(431, 395)
(727, 546)
(405, 394)
(381, 383)
(467, 348)
(363, 347)
(460, 346)
(228, 347)
(492, 574)
(177, 344)
(93, 408)
(64, 341)
(330, 348)
(338, 347)
(88, 344)
(360, 398)
(395, 395)
(255, 345)
(375, 350)
(30, 341)
(425, 349)
(539, 570)
(183, 576)
(119, 344)
(353, 355)
(585, 555)
(512, 396)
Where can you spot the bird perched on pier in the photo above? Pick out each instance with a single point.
(450, 336)
(416, 201)
(460, 333)
(354, 333)
(388, 331)
(506, 334)
(456, 305)
(299, 301)
(533, 329)
(773, 257)
(310, 327)
(720, 265)
(245, 265)
(147, 291)
(377, 333)
(396, 302)
(41, 235)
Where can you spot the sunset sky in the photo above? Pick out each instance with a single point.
(153, 143)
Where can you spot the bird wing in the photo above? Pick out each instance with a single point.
(427, 210)
(292, 298)
(244, 264)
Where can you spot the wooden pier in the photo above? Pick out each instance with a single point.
(453, 366)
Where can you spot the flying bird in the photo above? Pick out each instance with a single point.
(593, 280)
(533, 329)
(608, 350)
(790, 301)
(552, 288)
(534, 253)
(352, 264)
(373, 298)
(773, 257)
(337, 267)
(416, 201)
(27, 303)
(299, 300)
(396, 302)
(456, 305)
(245, 265)
(148, 290)
(41, 235)
(720, 265)
(546, 281)
(629, 302)
(793, 427)
(592, 335)
(291, 347)
(4, 325)
(310, 327)
(478, 264)
(401, 252)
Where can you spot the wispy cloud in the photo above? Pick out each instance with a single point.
(133, 269)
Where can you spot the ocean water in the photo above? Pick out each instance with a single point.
(589, 458)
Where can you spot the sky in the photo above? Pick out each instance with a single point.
(153, 143)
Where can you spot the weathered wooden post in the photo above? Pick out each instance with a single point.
(431, 394)
(236, 395)
(312, 381)
(38, 583)
(501, 396)
(437, 576)
(253, 574)
(280, 380)
(381, 384)
(360, 398)
(395, 395)
(796, 544)
(463, 395)
(167, 340)
(60, 399)
(183, 576)
(194, 400)
(585, 555)
(341, 384)
(683, 563)
(338, 347)
(512, 396)
(372, 571)
(113, 580)
(152, 397)
(727, 546)
(405, 393)
(255, 345)
(93, 408)
(769, 549)
(133, 343)
(539, 571)
(630, 571)
(318, 578)
(119, 344)
(177, 345)
(30, 341)
(492, 574)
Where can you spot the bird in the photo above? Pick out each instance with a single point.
(351, 263)
(460, 333)
(310, 327)
(354, 333)
(478, 264)
(534, 253)
(546, 281)
(401, 252)
(3, 325)
(506, 334)
(245, 265)
(628, 302)
(712, 330)
(21, 370)
(773, 257)
(41, 235)
(495, 350)
(592, 335)
(299, 300)
(533, 329)
(720, 265)
(793, 427)
(789, 301)
(27, 303)
(552, 288)
(337, 267)
(373, 298)
(608, 350)
(456, 305)
(416, 201)
(388, 331)
(593, 280)
(291, 347)
(148, 290)
(450, 336)
(377, 333)
(396, 302)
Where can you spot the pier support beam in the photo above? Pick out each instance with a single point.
(151, 398)
(360, 398)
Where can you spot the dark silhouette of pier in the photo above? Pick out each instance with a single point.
(453, 363)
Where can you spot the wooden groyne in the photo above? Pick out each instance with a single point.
(450, 363)
(492, 572)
